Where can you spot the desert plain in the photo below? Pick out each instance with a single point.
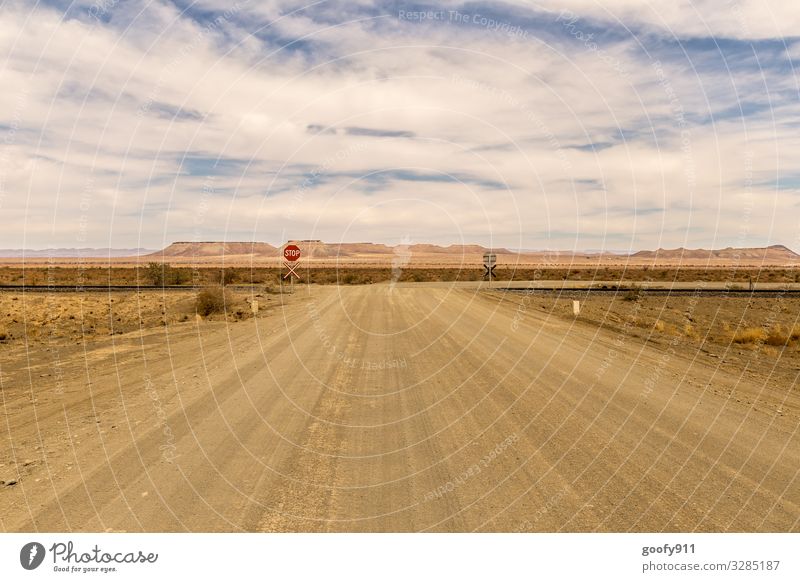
(401, 395)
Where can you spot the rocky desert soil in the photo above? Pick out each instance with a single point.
(400, 408)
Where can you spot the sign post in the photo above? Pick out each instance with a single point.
(291, 254)
(489, 263)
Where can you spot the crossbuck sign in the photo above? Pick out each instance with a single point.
(489, 263)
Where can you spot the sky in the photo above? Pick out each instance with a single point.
(572, 124)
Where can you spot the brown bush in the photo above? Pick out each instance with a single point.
(633, 294)
(212, 300)
(776, 337)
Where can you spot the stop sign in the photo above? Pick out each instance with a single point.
(291, 252)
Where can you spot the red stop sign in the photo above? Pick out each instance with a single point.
(291, 252)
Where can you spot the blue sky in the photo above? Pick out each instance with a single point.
(567, 125)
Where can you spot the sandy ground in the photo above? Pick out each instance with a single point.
(414, 409)
(55, 318)
(751, 336)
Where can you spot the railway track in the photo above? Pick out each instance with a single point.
(708, 291)
(684, 291)
(111, 288)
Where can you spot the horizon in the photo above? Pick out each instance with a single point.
(563, 126)
(361, 242)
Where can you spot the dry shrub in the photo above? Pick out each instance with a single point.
(659, 326)
(228, 276)
(690, 331)
(212, 300)
(633, 294)
(776, 337)
(3, 335)
(749, 335)
(355, 278)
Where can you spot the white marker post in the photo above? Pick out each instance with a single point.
(576, 308)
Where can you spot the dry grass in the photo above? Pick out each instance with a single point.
(737, 333)
(663, 327)
(78, 317)
(777, 337)
(749, 335)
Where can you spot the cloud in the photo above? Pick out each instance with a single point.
(134, 123)
(315, 128)
(739, 19)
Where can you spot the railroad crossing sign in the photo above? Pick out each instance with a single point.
(489, 263)
(292, 254)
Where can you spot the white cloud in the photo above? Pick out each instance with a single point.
(103, 117)
(739, 19)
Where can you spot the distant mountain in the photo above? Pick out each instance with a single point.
(774, 253)
(455, 249)
(372, 252)
(62, 253)
(215, 249)
(317, 249)
(366, 253)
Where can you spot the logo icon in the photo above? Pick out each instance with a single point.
(31, 555)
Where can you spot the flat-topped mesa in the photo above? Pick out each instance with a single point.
(215, 249)
(313, 249)
(433, 255)
(774, 253)
(782, 248)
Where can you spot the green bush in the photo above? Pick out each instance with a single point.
(180, 276)
(157, 273)
(228, 276)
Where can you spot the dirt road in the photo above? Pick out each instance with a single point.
(379, 409)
